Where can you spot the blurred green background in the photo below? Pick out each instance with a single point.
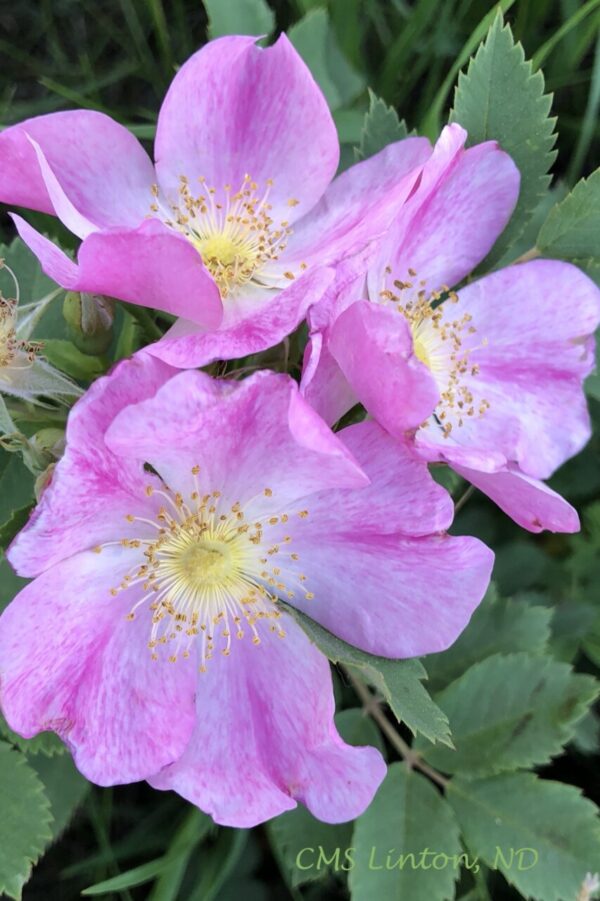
(119, 56)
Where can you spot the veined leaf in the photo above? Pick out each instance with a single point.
(381, 127)
(315, 41)
(25, 822)
(543, 836)
(498, 626)
(571, 230)
(46, 743)
(502, 99)
(509, 712)
(239, 17)
(393, 838)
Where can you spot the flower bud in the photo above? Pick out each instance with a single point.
(90, 320)
(43, 449)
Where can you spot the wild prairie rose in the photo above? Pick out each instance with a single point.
(153, 639)
(489, 379)
(233, 227)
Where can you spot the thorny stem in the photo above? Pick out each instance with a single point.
(372, 707)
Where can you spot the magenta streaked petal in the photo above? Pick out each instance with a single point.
(403, 587)
(265, 739)
(528, 501)
(66, 211)
(401, 498)
(359, 205)
(90, 492)
(462, 204)
(232, 429)
(324, 385)
(373, 346)
(532, 345)
(394, 596)
(70, 661)
(235, 109)
(151, 266)
(101, 167)
(262, 319)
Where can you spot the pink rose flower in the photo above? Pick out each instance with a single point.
(152, 639)
(489, 379)
(233, 228)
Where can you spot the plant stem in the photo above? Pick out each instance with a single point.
(372, 707)
(143, 317)
(463, 499)
(530, 254)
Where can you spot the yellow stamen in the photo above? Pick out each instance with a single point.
(205, 573)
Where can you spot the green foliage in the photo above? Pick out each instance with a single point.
(498, 626)
(314, 39)
(46, 743)
(504, 688)
(517, 811)
(510, 711)
(500, 98)
(571, 230)
(399, 681)
(407, 818)
(65, 787)
(239, 17)
(66, 357)
(381, 127)
(25, 820)
(16, 486)
(306, 848)
(13, 524)
(167, 870)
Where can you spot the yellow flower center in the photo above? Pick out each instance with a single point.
(438, 343)
(210, 572)
(233, 231)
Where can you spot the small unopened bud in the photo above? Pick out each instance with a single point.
(50, 441)
(90, 319)
(43, 449)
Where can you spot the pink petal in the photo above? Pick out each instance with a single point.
(66, 211)
(324, 385)
(401, 498)
(374, 348)
(391, 595)
(71, 662)
(265, 739)
(235, 108)
(246, 436)
(259, 320)
(379, 580)
(461, 206)
(532, 344)
(150, 266)
(359, 205)
(90, 492)
(101, 167)
(529, 502)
